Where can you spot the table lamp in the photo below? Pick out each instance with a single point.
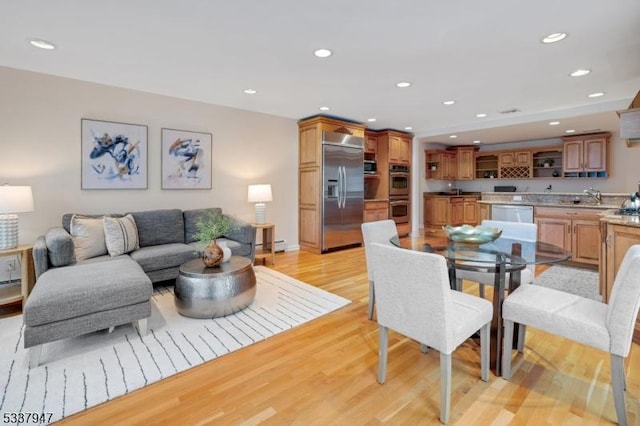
(13, 199)
(260, 194)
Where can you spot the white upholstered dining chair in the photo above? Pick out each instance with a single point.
(525, 232)
(375, 232)
(414, 298)
(608, 327)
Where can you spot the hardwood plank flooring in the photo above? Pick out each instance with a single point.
(324, 373)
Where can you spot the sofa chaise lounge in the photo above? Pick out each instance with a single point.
(74, 296)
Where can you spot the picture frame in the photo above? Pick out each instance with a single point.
(186, 159)
(113, 155)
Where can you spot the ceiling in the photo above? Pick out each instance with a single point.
(487, 56)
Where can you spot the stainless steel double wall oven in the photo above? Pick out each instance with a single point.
(399, 205)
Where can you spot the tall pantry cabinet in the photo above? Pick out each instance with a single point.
(310, 175)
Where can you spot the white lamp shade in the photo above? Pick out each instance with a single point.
(259, 193)
(15, 199)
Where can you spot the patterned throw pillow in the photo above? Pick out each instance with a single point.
(121, 234)
(88, 237)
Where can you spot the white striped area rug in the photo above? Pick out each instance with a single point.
(81, 372)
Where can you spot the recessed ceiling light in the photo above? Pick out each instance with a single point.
(580, 73)
(476, 141)
(371, 120)
(250, 91)
(403, 84)
(324, 108)
(453, 136)
(570, 131)
(408, 128)
(481, 115)
(449, 102)
(42, 44)
(323, 53)
(554, 123)
(595, 95)
(552, 38)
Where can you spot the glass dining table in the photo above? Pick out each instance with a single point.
(499, 257)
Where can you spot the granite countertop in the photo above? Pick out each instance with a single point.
(616, 219)
(563, 204)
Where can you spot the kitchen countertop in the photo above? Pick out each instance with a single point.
(376, 199)
(616, 219)
(563, 204)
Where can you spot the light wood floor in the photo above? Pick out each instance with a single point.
(324, 373)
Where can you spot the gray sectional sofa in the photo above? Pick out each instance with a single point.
(71, 298)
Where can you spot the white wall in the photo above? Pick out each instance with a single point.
(40, 146)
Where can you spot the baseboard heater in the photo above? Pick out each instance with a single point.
(281, 245)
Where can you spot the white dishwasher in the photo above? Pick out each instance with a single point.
(512, 213)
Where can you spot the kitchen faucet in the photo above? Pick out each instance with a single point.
(595, 194)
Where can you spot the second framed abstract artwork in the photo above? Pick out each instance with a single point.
(186, 159)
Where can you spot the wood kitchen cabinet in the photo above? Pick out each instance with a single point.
(375, 210)
(455, 210)
(515, 165)
(465, 163)
(399, 146)
(586, 155)
(310, 175)
(436, 211)
(575, 230)
(440, 165)
(617, 240)
(370, 143)
(484, 212)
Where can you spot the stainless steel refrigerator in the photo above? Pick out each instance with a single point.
(343, 190)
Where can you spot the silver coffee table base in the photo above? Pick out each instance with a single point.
(202, 292)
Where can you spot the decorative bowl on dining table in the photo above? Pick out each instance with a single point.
(472, 234)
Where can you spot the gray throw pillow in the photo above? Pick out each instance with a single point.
(121, 235)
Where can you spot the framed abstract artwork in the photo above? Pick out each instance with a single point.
(186, 159)
(114, 155)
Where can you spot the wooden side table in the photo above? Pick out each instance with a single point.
(13, 294)
(268, 249)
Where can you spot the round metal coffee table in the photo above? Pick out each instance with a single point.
(202, 292)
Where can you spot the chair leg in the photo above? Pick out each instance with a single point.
(445, 387)
(141, 325)
(506, 349)
(372, 299)
(522, 330)
(618, 382)
(481, 286)
(458, 284)
(34, 356)
(382, 353)
(485, 351)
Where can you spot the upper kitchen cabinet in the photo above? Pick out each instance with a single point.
(370, 143)
(514, 164)
(547, 162)
(451, 164)
(399, 144)
(465, 163)
(486, 165)
(586, 155)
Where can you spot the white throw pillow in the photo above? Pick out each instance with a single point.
(121, 234)
(88, 237)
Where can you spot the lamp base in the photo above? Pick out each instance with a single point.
(8, 231)
(261, 213)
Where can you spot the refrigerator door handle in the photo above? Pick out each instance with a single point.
(344, 186)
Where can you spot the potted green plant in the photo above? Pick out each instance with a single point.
(208, 230)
